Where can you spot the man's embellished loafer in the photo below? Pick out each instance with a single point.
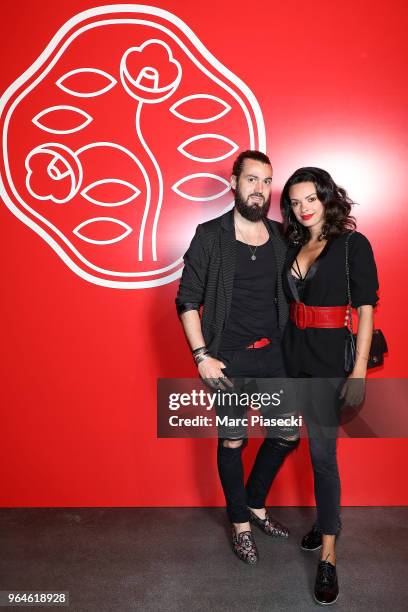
(312, 540)
(268, 525)
(326, 589)
(244, 546)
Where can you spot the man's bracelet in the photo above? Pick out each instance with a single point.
(199, 350)
(201, 357)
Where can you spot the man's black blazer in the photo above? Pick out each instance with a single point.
(208, 275)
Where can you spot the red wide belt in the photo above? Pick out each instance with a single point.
(259, 343)
(317, 316)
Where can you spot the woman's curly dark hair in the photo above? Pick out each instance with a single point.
(337, 206)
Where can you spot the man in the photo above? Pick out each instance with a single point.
(233, 270)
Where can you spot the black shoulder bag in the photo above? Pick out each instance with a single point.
(378, 342)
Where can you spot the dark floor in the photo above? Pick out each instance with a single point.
(179, 559)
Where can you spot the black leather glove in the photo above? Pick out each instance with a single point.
(353, 391)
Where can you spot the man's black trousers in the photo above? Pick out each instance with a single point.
(263, 363)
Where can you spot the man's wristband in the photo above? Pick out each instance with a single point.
(201, 357)
(199, 350)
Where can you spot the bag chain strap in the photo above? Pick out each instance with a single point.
(350, 318)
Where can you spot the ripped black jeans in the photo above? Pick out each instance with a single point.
(260, 363)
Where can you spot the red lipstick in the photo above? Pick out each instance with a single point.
(307, 217)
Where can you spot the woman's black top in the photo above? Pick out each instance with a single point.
(320, 352)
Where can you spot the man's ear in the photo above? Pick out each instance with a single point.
(233, 181)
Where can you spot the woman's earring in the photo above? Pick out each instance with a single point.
(323, 234)
(296, 231)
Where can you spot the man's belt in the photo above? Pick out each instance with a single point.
(259, 343)
(317, 316)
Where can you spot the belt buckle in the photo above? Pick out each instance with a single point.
(300, 315)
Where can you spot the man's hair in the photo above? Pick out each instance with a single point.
(256, 155)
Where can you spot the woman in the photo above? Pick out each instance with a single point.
(317, 224)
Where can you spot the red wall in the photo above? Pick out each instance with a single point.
(80, 360)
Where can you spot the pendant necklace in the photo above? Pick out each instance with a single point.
(251, 249)
(253, 256)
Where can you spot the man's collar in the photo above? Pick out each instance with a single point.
(227, 221)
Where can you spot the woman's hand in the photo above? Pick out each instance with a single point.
(353, 390)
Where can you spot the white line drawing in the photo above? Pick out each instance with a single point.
(77, 253)
(151, 94)
(135, 192)
(64, 155)
(149, 11)
(177, 113)
(191, 177)
(182, 147)
(69, 109)
(62, 40)
(88, 94)
(160, 184)
(145, 176)
(127, 231)
(148, 74)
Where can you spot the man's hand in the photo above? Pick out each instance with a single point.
(211, 372)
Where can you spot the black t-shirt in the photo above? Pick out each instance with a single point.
(253, 313)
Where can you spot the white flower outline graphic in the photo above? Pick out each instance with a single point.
(145, 87)
(59, 154)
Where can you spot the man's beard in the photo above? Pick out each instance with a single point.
(252, 212)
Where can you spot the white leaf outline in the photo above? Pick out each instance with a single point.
(127, 231)
(64, 107)
(182, 101)
(185, 179)
(134, 195)
(181, 148)
(78, 94)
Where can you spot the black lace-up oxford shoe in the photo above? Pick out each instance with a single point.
(326, 589)
(312, 540)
